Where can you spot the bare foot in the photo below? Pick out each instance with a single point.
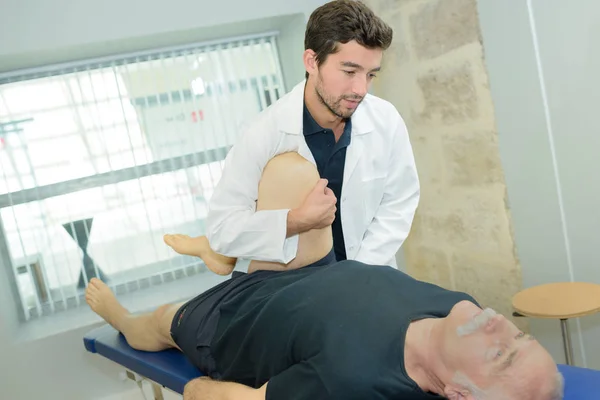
(104, 303)
(186, 245)
(199, 247)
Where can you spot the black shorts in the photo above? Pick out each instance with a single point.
(195, 323)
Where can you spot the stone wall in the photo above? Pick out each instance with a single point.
(434, 73)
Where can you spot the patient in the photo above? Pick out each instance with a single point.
(338, 330)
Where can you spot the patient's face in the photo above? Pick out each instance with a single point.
(345, 77)
(488, 348)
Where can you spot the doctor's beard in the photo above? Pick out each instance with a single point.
(334, 105)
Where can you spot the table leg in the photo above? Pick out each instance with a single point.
(564, 325)
(157, 391)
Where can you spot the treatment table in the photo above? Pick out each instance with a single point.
(170, 369)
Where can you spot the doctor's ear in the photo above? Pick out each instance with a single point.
(310, 61)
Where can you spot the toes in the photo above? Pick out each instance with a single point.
(96, 283)
(90, 289)
(92, 301)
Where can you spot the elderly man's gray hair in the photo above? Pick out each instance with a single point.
(558, 389)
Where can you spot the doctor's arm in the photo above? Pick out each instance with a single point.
(393, 219)
(206, 389)
(234, 227)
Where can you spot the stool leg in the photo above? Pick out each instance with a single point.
(564, 325)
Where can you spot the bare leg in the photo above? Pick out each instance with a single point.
(286, 181)
(147, 332)
(199, 247)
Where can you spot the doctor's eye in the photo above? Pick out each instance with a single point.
(500, 353)
(520, 335)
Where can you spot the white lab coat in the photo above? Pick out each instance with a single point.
(380, 185)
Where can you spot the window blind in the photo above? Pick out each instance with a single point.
(99, 159)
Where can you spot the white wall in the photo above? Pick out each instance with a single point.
(37, 32)
(543, 61)
(47, 25)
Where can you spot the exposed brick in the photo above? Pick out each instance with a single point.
(480, 221)
(428, 157)
(397, 54)
(491, 281)
(449, 94)
(440, 228)
(467, 220)
(472, 159)
(428, 264)
(444, 25)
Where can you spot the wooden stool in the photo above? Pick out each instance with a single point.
(559, 301)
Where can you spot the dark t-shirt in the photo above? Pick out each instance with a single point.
(327, 332)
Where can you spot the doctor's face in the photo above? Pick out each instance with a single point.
(342, 81)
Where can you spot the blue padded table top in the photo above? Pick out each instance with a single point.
(580, 383)
(171, 369)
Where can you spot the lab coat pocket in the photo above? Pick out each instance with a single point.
(372, 193)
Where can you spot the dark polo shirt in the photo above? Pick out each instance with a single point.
(330, 158)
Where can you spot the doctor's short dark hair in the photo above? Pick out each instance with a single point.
(341, 21)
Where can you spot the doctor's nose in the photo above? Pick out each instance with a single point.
(360, 87)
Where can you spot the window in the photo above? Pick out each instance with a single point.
(98, 160)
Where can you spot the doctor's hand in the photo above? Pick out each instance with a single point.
(318, 209)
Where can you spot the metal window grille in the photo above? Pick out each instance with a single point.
(99, 159)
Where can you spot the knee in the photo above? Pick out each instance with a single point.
(159, 315)
(290, 166)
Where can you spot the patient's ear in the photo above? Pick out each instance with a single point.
(457, 392)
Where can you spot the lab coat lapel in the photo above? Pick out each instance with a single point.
(289, 117)
(304, 151)
(290, 121)
(361, 126)
(353, 156)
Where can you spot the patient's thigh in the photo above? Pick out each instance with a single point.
(286, 181)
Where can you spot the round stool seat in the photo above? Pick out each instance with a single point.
(559, 300)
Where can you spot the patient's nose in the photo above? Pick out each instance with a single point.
(494, 324)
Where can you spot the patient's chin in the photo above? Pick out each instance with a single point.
(465, 309)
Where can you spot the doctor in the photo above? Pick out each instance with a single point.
(369, 189)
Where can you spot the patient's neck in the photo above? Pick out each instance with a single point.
(422, 348)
